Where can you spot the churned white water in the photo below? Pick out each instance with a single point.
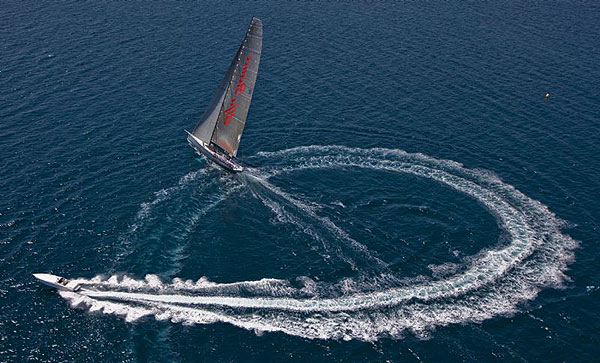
(492, 283)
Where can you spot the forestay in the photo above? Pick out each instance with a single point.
(223, 122)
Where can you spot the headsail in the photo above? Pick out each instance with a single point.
(206, 126)
(242, 78)
(225, 117)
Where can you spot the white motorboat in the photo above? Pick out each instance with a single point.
(57, 282)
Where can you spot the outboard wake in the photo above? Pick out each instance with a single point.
(491, 283)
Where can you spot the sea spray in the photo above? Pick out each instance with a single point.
(491, 283)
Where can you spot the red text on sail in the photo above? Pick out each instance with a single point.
(239, 89)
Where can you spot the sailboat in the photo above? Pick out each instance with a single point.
(217, 135)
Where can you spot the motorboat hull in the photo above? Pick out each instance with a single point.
(57, 282)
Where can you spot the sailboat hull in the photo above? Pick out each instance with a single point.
(218, 133)
(220, 159)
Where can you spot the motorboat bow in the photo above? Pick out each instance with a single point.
(57, 282)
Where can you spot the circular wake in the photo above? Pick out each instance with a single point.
(492, 283)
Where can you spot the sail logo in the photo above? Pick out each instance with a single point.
(230, 111)
(239, 89)
(241, 86)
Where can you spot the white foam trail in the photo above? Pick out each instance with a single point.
(178, 253)
(340, 234)
(162, 195)
(494, 282)
(146, 208)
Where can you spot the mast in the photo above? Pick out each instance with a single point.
(205, 127)
(234, 105)
(231, 72)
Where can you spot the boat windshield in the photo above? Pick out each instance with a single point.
(62, 281)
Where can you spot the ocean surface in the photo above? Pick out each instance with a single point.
(409, 192)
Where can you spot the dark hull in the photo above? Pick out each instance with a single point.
(216, 157)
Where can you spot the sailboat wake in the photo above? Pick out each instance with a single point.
(492, 283)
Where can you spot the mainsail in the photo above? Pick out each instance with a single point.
(223, 121)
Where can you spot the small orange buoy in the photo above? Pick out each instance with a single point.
(547, 95)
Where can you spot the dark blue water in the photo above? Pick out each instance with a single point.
(410, 193)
